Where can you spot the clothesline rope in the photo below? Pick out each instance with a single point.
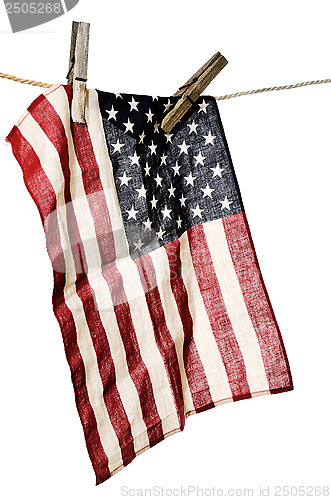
(24, 80)
(219, 98)
(270, 89)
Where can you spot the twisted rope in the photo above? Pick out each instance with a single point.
(270, 89)
(24, 80)
(219, 98)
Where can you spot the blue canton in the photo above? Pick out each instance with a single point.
(167, 183)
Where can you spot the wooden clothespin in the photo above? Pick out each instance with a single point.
(77, 74)
(192, 89)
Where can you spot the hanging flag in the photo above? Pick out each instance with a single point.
(157, 287)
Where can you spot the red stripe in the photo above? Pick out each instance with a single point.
(218, 317)
(35, 179)
(64, 316)
(105, 238)
(51, 124)
(44, 196)
(257, 302)
(136, 366)
(112, 398)
(68, 90)
(163, 338)
(195, 372)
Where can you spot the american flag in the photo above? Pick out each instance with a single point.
(157, 287)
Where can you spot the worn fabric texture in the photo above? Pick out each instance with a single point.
(157, 287)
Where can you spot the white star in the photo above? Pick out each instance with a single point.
(160, 234)
(132, 213)
(193, 127)
(129, 126)
(209, 138)
(148, 224)
(163, 159)
(138, 245)
(119, 95)
(217, 170)
(134, 104)
(149, 115)
(183, 147)
(141, 192)
(199, 159)
(167, 106)
(168, 136)
(154, 202)
(190, 179)
(147, 169)
(142, 137)
(117, 146)
(156, 127)
(176, 168)
(112, 113)
(207, 191)
(152, 147)
(196, 211)
(179, 222)
(182, 201)
(203, 106)
(158, 180)
(124, 179)
(166, 212)
(226, 203)
(171, 191)
(134, 159)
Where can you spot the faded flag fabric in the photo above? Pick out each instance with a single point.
(157, 287)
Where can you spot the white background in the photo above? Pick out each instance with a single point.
(280, 146)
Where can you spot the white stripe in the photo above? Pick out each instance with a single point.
(173, 319)
(49, 159)
(125, 385)
(202, 333)
(235, 305)
(130, 275)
